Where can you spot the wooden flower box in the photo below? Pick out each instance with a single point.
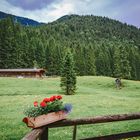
(35, 122)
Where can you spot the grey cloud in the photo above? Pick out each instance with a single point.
(50, 10)
(31, 4)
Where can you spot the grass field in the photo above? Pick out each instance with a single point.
(95, 96)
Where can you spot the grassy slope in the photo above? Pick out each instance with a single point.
(95, 96)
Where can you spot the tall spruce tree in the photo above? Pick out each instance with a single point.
(121, 63)
(89, 60)
(40, 54)
(68, 75)
(8, 43)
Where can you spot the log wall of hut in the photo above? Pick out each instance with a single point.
(22, 73)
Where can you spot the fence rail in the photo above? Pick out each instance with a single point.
(42, 133)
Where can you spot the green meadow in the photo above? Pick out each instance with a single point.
(96, 95)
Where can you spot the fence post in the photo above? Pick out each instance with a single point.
(74, 132)
(44, 135)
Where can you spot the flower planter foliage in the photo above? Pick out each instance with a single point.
(48, 111)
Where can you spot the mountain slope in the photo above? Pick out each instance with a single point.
(95, 27)
(100, 46)
(22, 20)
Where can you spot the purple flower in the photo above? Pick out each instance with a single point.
(68, 108)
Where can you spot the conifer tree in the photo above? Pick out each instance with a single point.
(125, 64)
(117, 69)
(50, 52)
(40, 54)
(121, 63)
(68, 75)
(8, 44)
(90, 61)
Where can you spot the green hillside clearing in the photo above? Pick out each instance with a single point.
(95, 96)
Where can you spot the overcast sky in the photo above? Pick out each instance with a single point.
(49, 10)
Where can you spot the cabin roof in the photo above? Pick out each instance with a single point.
(22, 70)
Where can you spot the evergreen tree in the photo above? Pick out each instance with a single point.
(117, 68)
(40, 54)
(8, 44)
(125, 64)
(89, 61)
(50, 53)
(25, 51)
(68, 75)
(80, 60)
(101, 63)
(121, 63)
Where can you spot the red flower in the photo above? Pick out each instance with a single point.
(43, 104)
(25, 120)
(59, 97)
(53, 98)
(46, 100)
(35, 104)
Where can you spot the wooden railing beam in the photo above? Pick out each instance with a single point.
(94, 120)
(42, 133)
(115, 136)
(34, 134)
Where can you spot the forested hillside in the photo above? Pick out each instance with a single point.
(100, 46)
(21, 20)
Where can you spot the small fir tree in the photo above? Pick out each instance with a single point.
(68, 75)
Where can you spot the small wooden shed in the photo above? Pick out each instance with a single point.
(22, 72)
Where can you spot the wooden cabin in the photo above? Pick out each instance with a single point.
(22, 72)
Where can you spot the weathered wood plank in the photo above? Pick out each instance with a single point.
(115, 136)
(34, 134)
(94, 120)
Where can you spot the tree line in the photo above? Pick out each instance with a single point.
(100, 46)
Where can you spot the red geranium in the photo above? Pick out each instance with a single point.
(43, 104)
(53, 98)
(25, 120)
(35, 104)
(47, 105)
(46, 100)
(59, 97)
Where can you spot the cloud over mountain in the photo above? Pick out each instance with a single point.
(50, 10)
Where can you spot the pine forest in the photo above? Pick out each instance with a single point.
(99, 45)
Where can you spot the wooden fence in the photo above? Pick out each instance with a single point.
(42, 133)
